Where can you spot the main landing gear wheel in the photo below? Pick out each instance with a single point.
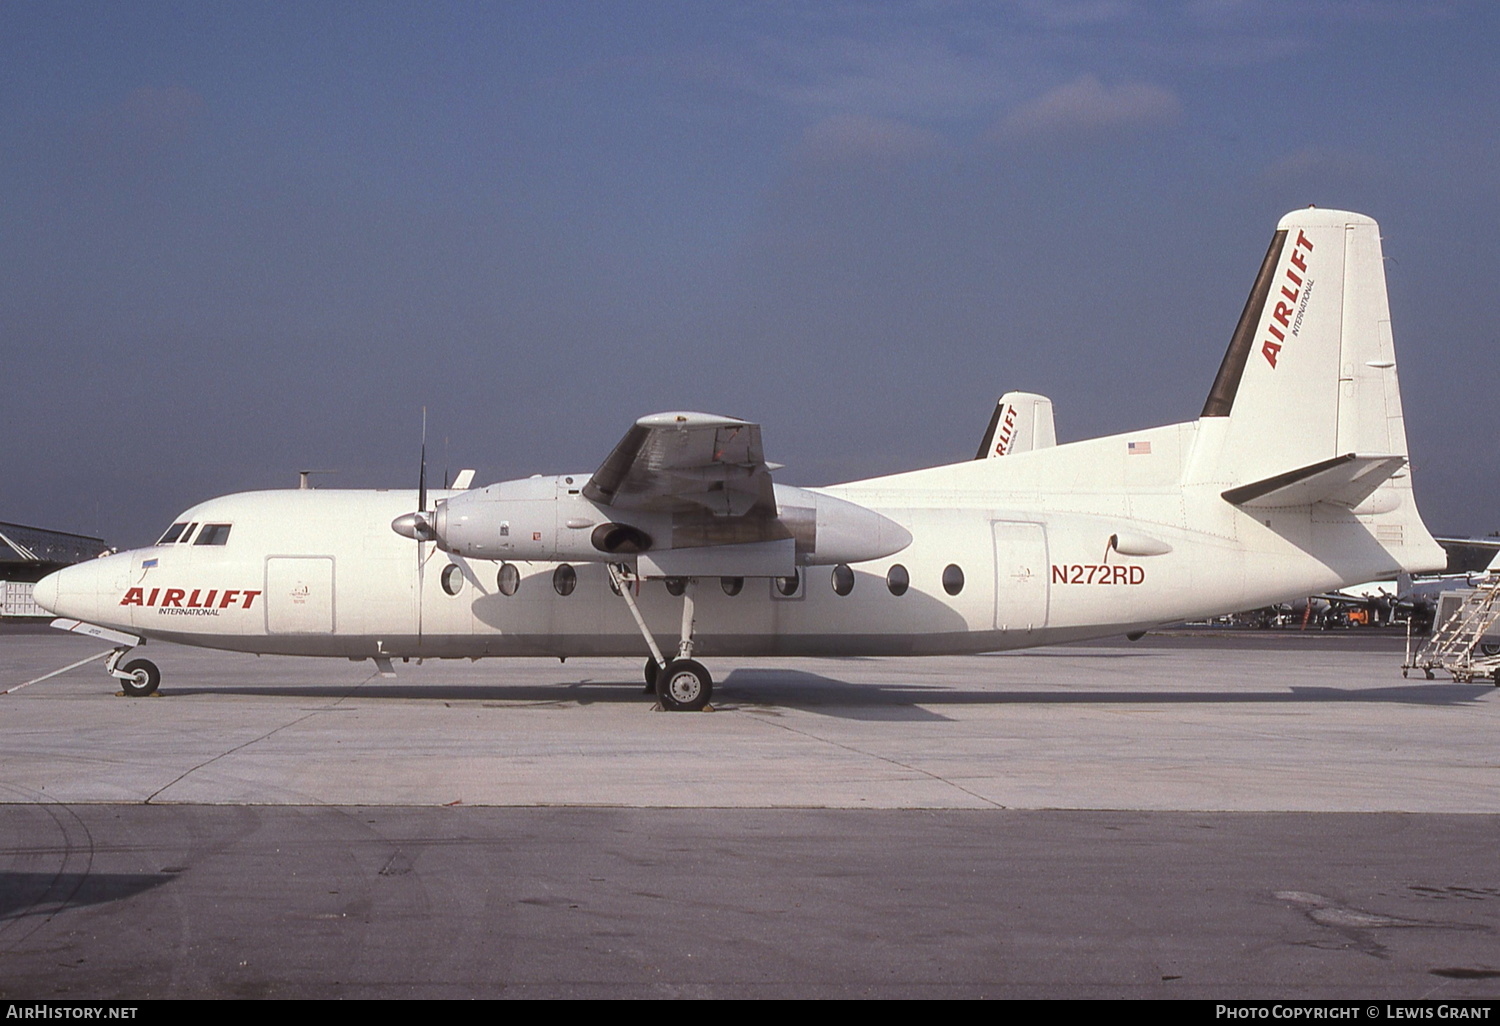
(684, 686)
(144, 678)
(653, 670)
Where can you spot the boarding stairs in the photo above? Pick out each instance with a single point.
(1455, 645)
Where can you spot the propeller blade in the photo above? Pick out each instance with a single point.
(422, 473)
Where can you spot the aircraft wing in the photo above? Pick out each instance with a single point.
(687, 463)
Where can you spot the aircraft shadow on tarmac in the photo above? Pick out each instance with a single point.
(763, 689)
(44, 894)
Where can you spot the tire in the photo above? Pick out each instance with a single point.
(684, 686)
(1490, 648)
(653, 670)
(144, 678)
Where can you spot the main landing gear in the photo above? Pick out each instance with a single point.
(681, 684)
(138, 678)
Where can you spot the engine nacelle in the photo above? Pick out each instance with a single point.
(540, 518)
(549, 519)
(830, 530)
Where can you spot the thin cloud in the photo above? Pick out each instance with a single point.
(1087, 108)
(858, 138)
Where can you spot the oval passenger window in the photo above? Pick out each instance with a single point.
(453, 579)
(508, 579)
(953, 579)
(897, 579)
(843, 579)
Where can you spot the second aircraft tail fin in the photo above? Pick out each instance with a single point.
(1022, 421)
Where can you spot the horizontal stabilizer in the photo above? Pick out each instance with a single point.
(1346, 480)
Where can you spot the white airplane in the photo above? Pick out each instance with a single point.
(1293, 481)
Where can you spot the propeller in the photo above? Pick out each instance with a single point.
(418, 525)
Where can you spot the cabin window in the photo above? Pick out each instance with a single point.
(953, 579)
(508, 579)
(897, 579)
(172, 534)
(788, 585)
(676, 585)
(453, 578)
(843, 579)
(731, 585)
(213, 534)
(564, 579)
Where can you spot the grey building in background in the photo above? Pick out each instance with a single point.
(27, 554)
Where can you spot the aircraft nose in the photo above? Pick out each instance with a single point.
(72, 591)
(46, 591)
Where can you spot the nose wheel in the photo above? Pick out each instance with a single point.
(138, 678)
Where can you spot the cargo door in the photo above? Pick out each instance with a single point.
(1021, 583)
(299, 595)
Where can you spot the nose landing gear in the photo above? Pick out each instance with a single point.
(138, 678)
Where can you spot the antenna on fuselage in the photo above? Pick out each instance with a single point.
(303, 484)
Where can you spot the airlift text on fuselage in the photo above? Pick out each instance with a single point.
(173, 599)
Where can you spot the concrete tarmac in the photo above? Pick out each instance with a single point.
(1246, 816)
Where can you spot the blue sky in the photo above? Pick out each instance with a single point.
(239, 240)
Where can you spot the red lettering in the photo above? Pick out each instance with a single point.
(193, 600)
(133, 597)
(152, 600)
(250, 597)
(1292, 275)
(173, 597)
(1303, 240)
(1288, 293)
(1284, 314)
(1298, 261)
(1077, 574)
(1059, 574)
(1137, 574)
(1269, 350)
(208, 603)
(1121, 572)
(229, 596)
(1276, 331)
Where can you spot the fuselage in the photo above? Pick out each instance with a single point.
(1076, 541)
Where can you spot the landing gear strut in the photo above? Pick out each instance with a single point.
(682, 684)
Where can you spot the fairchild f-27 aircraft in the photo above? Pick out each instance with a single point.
(1293, 481)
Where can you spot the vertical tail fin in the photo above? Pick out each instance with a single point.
(1306, 407)
(1310, 374)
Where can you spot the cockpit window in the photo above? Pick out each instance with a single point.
(213, 534)
(187, 535)
(171, 535)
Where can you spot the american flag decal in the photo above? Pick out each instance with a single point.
(1138, 448)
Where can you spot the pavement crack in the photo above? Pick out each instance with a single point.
(254, 740)
(883, 758)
